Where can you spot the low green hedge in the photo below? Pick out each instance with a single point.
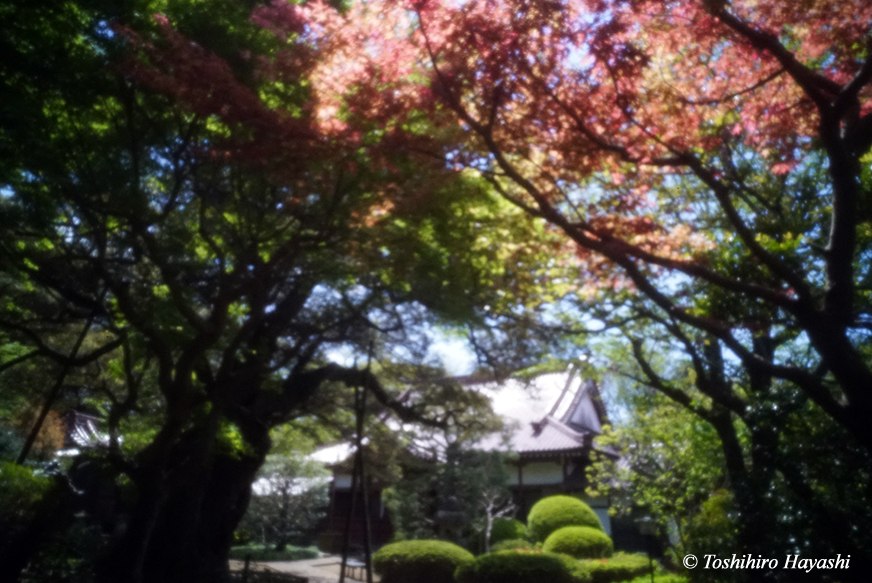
(620, 567)
(554, 512)
(420, 561)
(667, 578)
(523, 566)
(507, 529)
(581, 542)
(268, 553)
(512, 543)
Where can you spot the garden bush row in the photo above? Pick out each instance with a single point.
(564, 543)
(433, 561)
(258, 552)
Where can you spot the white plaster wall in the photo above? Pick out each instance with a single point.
(537, 474)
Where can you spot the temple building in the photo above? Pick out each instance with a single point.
(551, 422)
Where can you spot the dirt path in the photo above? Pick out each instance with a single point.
(322, 570)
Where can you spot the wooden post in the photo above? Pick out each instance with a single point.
(358, 475)
(347, 535)
(521, 497)
(367, 542)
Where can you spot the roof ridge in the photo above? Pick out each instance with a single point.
(563, 428)
(583, 389)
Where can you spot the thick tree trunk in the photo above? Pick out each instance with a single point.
(127, 558)
(192, 539)
(181, 528)
(193, 497)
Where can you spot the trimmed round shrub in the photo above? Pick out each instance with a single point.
(620, 567)
(523, 566)
(581, 542)
(506, 529)
(420, 561)
(553, 512)
(512, 543)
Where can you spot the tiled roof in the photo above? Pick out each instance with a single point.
(546, 435)
(81, 430)
(575, 416)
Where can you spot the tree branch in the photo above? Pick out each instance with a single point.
(820, 89)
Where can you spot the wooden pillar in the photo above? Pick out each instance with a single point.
(522, 499)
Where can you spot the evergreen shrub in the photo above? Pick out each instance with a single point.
(506, 529)
(581, 542)
(523, 566)
(554, 512)
(21, 498)
(420, 561)
(620, 567)
(512, 543)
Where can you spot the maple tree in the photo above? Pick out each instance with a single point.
(599, 116)
(707, 164)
